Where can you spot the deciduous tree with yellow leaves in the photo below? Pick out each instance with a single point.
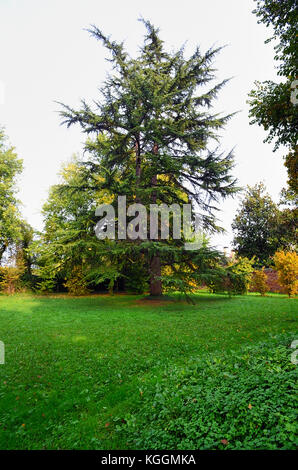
(286, 264)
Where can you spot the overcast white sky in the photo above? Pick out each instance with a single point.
(46, 55)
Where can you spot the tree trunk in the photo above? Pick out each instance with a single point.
(2, 250)
(155, 268)
(138, 169)
(155, 271)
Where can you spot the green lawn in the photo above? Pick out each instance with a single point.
(75, 367)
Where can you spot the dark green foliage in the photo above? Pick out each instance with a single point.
(24, 255)
(271, 107)
(260, 228)
(283, 17)
(136, 277)
(239, 400)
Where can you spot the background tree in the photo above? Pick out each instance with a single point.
(286, 264)
(23, 253)
(255, 226)
(259, 282)
(62, 246)
(68, 255)
(154, 139)
(10, 217)
(288, 216)
(270, 103)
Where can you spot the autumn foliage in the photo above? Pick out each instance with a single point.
(75, 283)
(259, 282)
(10, 278)
(286, 263)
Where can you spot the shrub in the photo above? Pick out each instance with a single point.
(136, 278)
(76, 284)
(259, 282)
(45, 285)
(11, 278)
(233, 279)
(240, 401)
(219, 283)
(240, 273)
(286, 263)
(45, 278)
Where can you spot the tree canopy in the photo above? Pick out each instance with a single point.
(260, 227)
(10, 219)
(271, 104)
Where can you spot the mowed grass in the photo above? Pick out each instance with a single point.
(76, 366)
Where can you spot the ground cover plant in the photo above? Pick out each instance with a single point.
(244, 400)
(77, 369)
